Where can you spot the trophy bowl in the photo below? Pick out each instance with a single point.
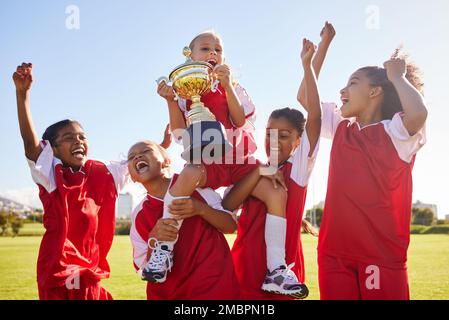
(191, 80)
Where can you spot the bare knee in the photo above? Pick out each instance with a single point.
(192, 172)
(189, 179)
(276, 196)
(275, 199)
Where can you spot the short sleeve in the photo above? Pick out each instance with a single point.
(248, 107)
(330, 119)
(302, 164)
(119, 170)
(407, 146)
(43, 170)
(213, 199)
(139, 245)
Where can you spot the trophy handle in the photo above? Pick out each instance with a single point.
(167, 81)
(162, 79)
(214, 86)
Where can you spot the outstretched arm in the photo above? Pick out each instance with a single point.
(313, 106)
(23, 78)
(415, 111)
(167, 138)
(327, 35)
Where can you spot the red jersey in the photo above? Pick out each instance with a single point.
(369, 197)
(202, 269)
(249, 250)
(218, 105)
(79, 218)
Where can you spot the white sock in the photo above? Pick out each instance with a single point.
(275, 234)
(167, 215)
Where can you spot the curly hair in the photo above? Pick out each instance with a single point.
(378, 77)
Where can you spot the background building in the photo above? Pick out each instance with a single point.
(124, 206)
(420, 205)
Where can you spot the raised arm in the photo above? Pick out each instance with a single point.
(23, 78)
(166, 142)
(313, 105)
(413, 104)
(176, 118)
(327, 35)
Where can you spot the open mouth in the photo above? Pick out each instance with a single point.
(79, 153)
(344, 100)
(212, 62)
(142, 167)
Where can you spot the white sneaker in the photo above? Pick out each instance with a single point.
(283, 280)
(161, 261)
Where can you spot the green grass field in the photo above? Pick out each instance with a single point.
(428, 268)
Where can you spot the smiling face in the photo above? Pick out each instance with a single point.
(71, 146)
(207, 47)
(358, 95)
(287, 141)
(146, 161)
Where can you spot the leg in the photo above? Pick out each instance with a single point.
(337, 279)
(280, 278)
(276, 225)
(274, 199)
(89, 290)
(58, 293)
(380, 283)
(191, 177)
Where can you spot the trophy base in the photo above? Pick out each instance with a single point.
(205, 142)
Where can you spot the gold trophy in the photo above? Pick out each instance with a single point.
(190, 81)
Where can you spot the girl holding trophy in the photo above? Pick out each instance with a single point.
(233, 108)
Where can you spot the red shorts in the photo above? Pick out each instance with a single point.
(224, 175)
(83, 291)
(343, 279)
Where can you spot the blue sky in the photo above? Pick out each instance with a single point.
(103, 73)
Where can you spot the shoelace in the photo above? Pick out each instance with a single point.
(288, 276)
(158, 256)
